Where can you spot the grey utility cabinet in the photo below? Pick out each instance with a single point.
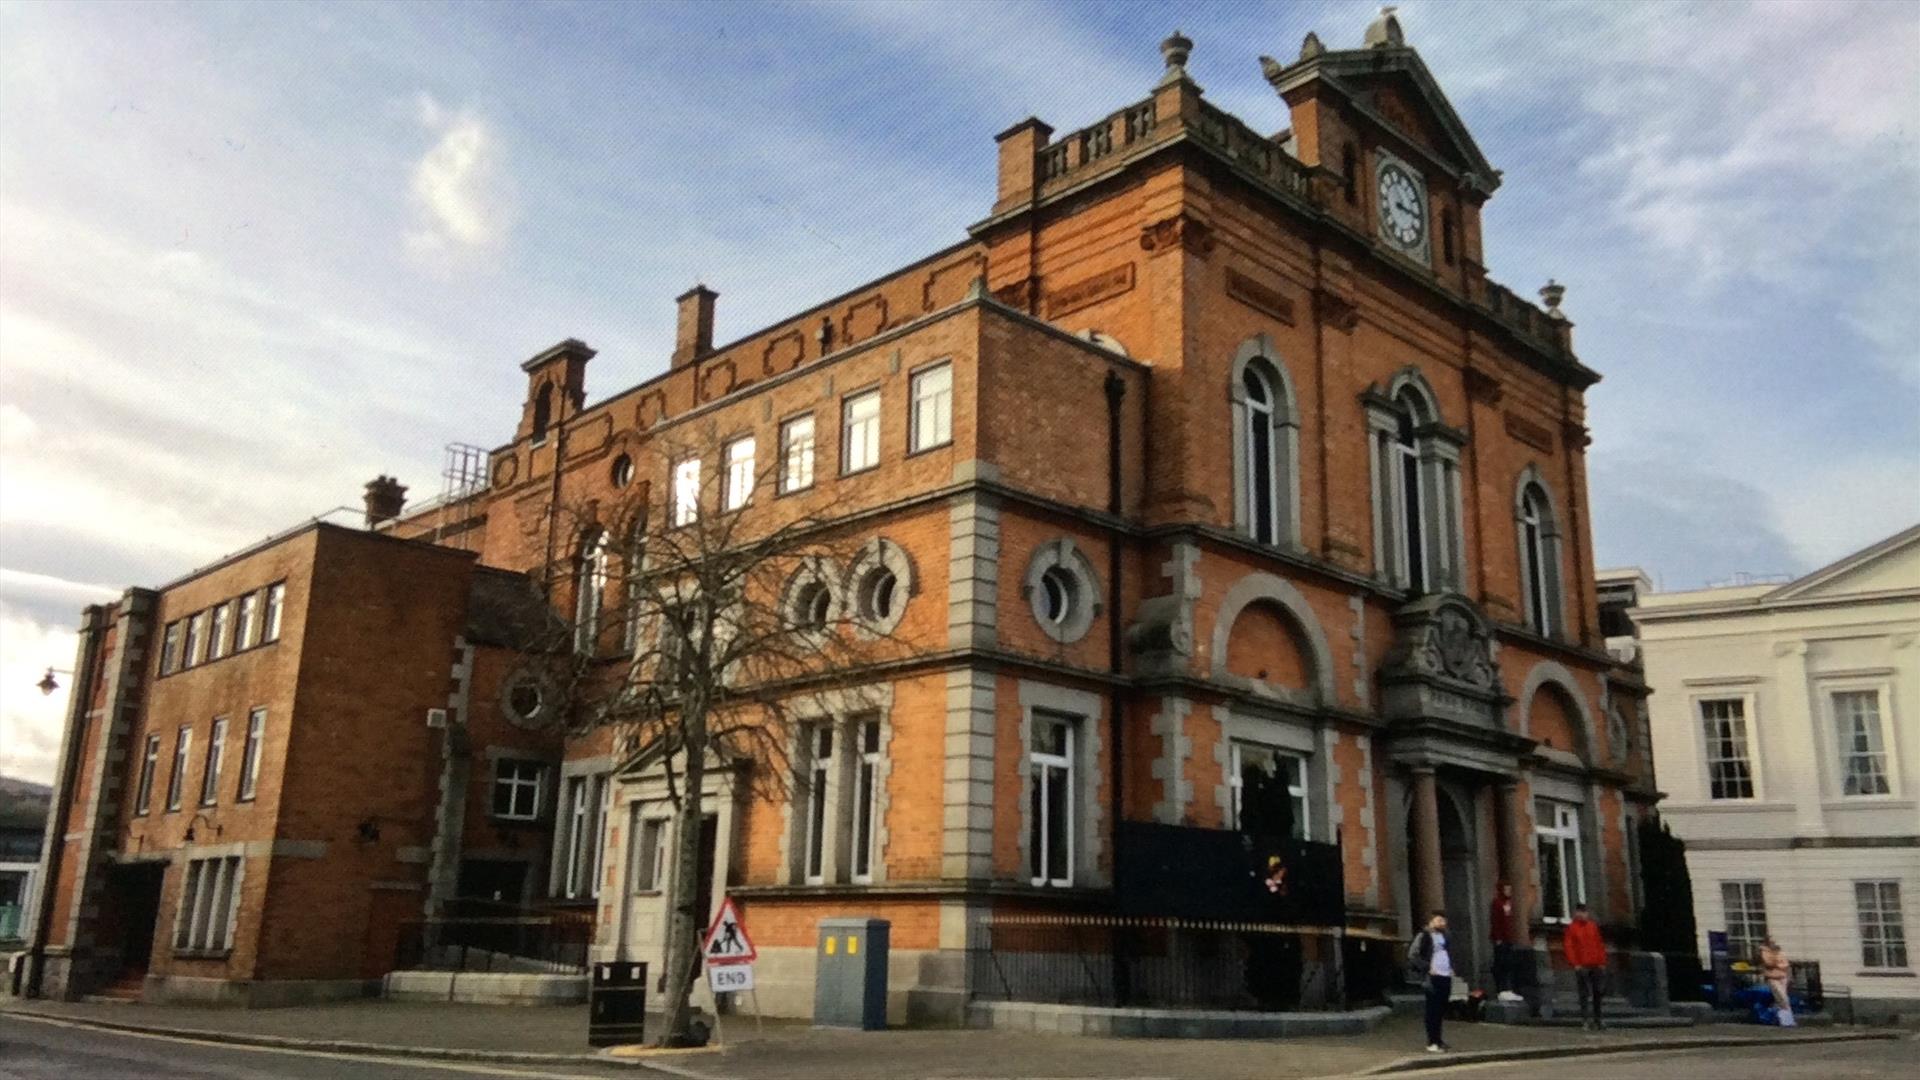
(850, 980)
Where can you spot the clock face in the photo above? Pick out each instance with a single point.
(1403, 207)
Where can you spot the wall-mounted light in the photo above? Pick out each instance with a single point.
(48, 684)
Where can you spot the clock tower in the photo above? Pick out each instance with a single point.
(1406, 172)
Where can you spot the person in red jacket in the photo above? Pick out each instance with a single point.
(1500, 932)
(1587, 956)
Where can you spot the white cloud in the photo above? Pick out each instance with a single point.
(461, 189)
(30, 721)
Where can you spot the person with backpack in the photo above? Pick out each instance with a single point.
(1430, 966)
(1587, 956)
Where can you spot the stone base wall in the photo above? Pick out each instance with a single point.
(484, 988)
(253, 994)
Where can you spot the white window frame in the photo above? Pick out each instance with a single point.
(865, 829)
(218, 630)
(1410, 508)
(170, 647)
(581, 832)
(515, 784)
(1256, 417)
(149, 764)
(209, 909)
(1710, 758)
(590, 594)
(686, 491)
(1749, 912)
(247, 622)
(647, 871)
(740, 475)
(1559, 825)
(931, 393)
(1882, 924)
(177, 776)
(250, 753)
(1540, 554)
(1883, 733)
(275, 608)
(1045, 770)
(1297, 782)
(216, 756)
(193, 649)
(796, 453)
(814, 856)
(860, 435)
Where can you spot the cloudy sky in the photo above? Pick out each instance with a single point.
(251, 255)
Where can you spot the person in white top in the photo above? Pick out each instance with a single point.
(1429, 961)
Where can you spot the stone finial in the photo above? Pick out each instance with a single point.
(385, 498)
(1552, 293)
(1310, 46)
(1384, 32)
(1175, 50)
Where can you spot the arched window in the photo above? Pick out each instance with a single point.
(1539, 535)
(1416, 488)
(633, 563)
(542, 412)
(1265, 444)
(590, 593)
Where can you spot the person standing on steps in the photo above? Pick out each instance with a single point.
(1500, 927)
(1432, 965)
(1587, 956)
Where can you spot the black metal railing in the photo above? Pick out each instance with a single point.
(479, 935)
(1174, 963)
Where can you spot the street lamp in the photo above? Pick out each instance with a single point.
(48, 684)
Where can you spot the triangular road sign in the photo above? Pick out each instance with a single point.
(726, 941)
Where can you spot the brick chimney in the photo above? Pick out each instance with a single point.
(693, 338)
(385, 497)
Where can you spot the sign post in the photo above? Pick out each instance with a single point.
(729, 955)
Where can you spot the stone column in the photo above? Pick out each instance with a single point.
(1429, 885)
(1514, 838)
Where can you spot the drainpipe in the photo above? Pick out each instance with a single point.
(86, 670)
(1116, 389)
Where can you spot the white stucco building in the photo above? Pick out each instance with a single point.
(1786, 733)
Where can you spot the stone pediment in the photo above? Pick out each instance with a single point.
(1442, 665)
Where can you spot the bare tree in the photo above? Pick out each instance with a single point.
(729, 619)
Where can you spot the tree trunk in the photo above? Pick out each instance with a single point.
(683, 929)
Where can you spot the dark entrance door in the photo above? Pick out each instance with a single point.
(703, 893)
(136, 890)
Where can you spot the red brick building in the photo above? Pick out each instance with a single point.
(1204, 449)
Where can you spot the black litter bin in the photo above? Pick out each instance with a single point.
(617, 1004)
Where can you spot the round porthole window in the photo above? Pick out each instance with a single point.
(1057, 595)
(526, 701)
(622, 471)
(877, 595)
(812, 606)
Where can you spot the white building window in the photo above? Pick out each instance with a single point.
(819, 767)
(739, 473)
(649, 854)
(516, 789)
(1416, 488)
(860, 433)
(192, 652)
(796, 454)
(177, 777)
(932, 408)
(1563, 881)
(590, 593)
(216, 753)
(1863, 747)
(1883, 930)
(218, 639)
(246, 633)
(250, 753)
(865, 798)
(209, 898)
(1253, 766)
(580, 831)
(149, 761)
(170, 649)
(1050, 818)
(1260, 458)
(1539, 560)
(1745, 905)
(1729, 765)
(270, 620)
(686, 491)
(1411, 540)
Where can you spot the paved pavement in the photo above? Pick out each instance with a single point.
(1854, 1061)
(787, 1051)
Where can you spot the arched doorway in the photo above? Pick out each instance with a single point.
(1460, 897)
